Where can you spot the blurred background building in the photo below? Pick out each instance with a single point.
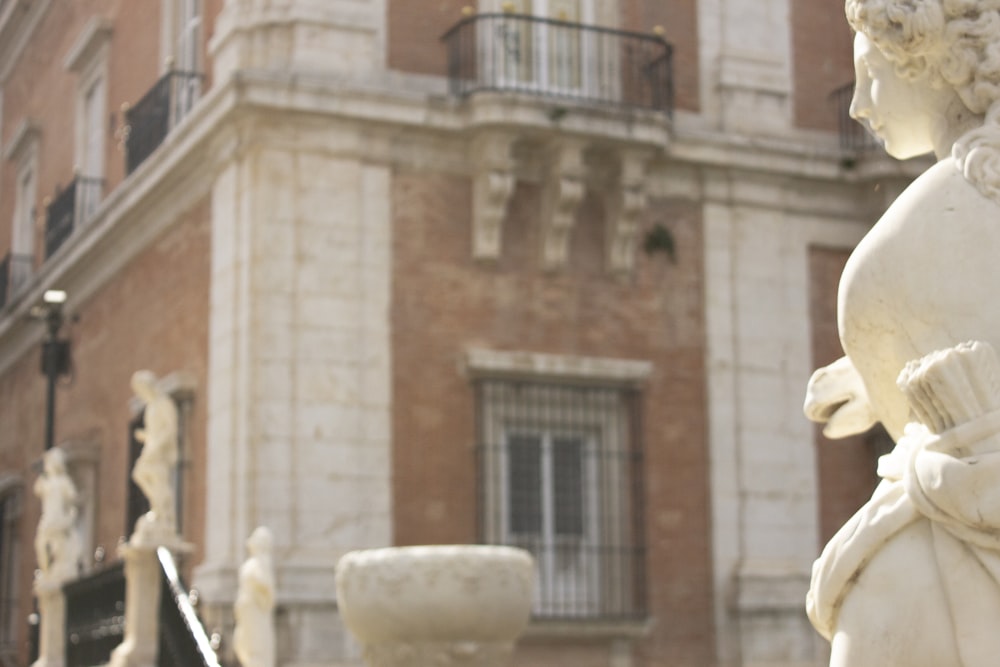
(549, 273)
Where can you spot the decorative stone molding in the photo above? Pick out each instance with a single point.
(442, 605)
(563, 192)
(501, 363)
(23, 140)
(492, 188)
(624, 204)
(92, 39)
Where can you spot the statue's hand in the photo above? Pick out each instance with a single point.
(836, 396)
(140, 435)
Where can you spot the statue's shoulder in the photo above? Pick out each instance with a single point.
(943, 189)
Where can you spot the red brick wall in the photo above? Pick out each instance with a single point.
(846, 467)
(444, 302)
(821, 61)
(679, 19)
(153, 315)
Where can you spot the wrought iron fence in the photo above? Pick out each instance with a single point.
(183, 640)
(151, 118)
(15, 271)
(560, 475)
(95, 616)
(854, 136)
(552, 58)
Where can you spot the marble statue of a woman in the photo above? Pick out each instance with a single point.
(154, 469)
(56, 544)
(913, 579)
(253, 638)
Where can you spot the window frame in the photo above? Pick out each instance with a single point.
(610, 588)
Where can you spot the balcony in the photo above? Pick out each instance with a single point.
(854, 137)
(560, 60)
(150, 120)
(15, 270)
(72, 207)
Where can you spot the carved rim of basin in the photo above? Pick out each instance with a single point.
(435, 593)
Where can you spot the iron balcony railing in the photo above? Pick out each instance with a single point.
(95, 616)
(558, 59)
(15, 271)
(150, 120)
(854, 136)
(71, 208)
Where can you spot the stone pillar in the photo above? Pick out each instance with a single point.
(746, 56)
(52, 623)
(317, 36)
(299, 365)
(142, 608)
(442, 605)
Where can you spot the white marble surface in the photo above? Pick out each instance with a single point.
(57, 546)
(436, 605)
(253, 638)
(913, 579)
(155, 468)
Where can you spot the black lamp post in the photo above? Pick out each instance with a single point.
(55, 354)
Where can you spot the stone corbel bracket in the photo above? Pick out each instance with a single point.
(624, 204)
(563, 192)
(492, 188)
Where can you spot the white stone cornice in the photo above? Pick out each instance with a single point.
(526, 365)
(92, 38)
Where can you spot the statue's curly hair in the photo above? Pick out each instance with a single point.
(956, 44)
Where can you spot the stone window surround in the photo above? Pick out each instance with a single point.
(603, 371)
(23, 151)
(88, 59)
(606, 371)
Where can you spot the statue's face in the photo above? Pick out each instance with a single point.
(901, 113)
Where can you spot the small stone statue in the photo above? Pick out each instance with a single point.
(56, 545)
(154, 469)
(253, 639)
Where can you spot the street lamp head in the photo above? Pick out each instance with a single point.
(54, 296)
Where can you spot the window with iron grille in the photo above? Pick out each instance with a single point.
(561, 468)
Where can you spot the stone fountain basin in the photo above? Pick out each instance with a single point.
(435, 593)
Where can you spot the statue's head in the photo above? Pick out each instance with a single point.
(144, 384)
(54, 462)
(260, 541)
(947, 43)
(940, 53)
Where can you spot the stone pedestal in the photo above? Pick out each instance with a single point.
(142, 604)
(443, 605)
(52, 619)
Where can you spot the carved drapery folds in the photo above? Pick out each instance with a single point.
(494, 184)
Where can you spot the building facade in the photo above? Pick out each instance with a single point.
(550, 273)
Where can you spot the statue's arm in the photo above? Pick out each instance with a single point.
(836, 396)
